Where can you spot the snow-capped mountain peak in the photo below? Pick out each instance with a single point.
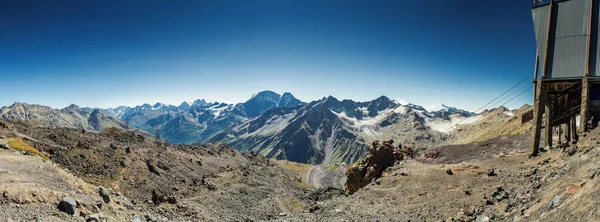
(157, 106)
(265, 100)
(401, 101)
(449, 110)
(265, 95)
(199, 102)
(184, 105)
(416, 107)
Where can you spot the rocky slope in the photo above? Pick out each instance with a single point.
(494, 123)
(32, 189)
(199, 182)
(491, 180)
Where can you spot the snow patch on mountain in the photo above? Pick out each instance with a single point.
(369, 125)
(116, 112)
(442, 125)
(157, 106)
(401, 102)
(401, 109)
(367, 121)
(416, 107)
(363, 110)
(368, 131)
(266, 95)
(449, 110)
(217, 109)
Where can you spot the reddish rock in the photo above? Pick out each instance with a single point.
(573, 188)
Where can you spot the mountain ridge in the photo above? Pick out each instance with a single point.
(71, 116)
(278, 126)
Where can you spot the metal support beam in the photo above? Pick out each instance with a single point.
(583, 116)
(538, 110)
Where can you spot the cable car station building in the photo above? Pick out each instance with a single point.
(567, 70)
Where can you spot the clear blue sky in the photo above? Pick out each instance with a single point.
(129, 52)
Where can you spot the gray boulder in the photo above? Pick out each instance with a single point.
(482, 218)
(4, 144)
(137, 218)
(556, 201)
(68, 205)
(105, 194)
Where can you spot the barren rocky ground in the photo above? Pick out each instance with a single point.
(32, 189)
(492, 180)
(478, 182)
(200, 182)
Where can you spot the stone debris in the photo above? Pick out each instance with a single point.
(406, 151)
(313, 207)
(491, 172)
(482, 218)
(152, 168)
(137, 218)
(431, 154)
(556, 201)
(380, 157)
(4, 144)
(573, 188)
(93, 218)
(544, 161)
(105, 194)
(68, 205)
(592, 172)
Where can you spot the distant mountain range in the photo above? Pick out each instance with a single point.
(280, 126)
(71, 116)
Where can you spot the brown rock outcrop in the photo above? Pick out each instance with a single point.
(363, 172)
